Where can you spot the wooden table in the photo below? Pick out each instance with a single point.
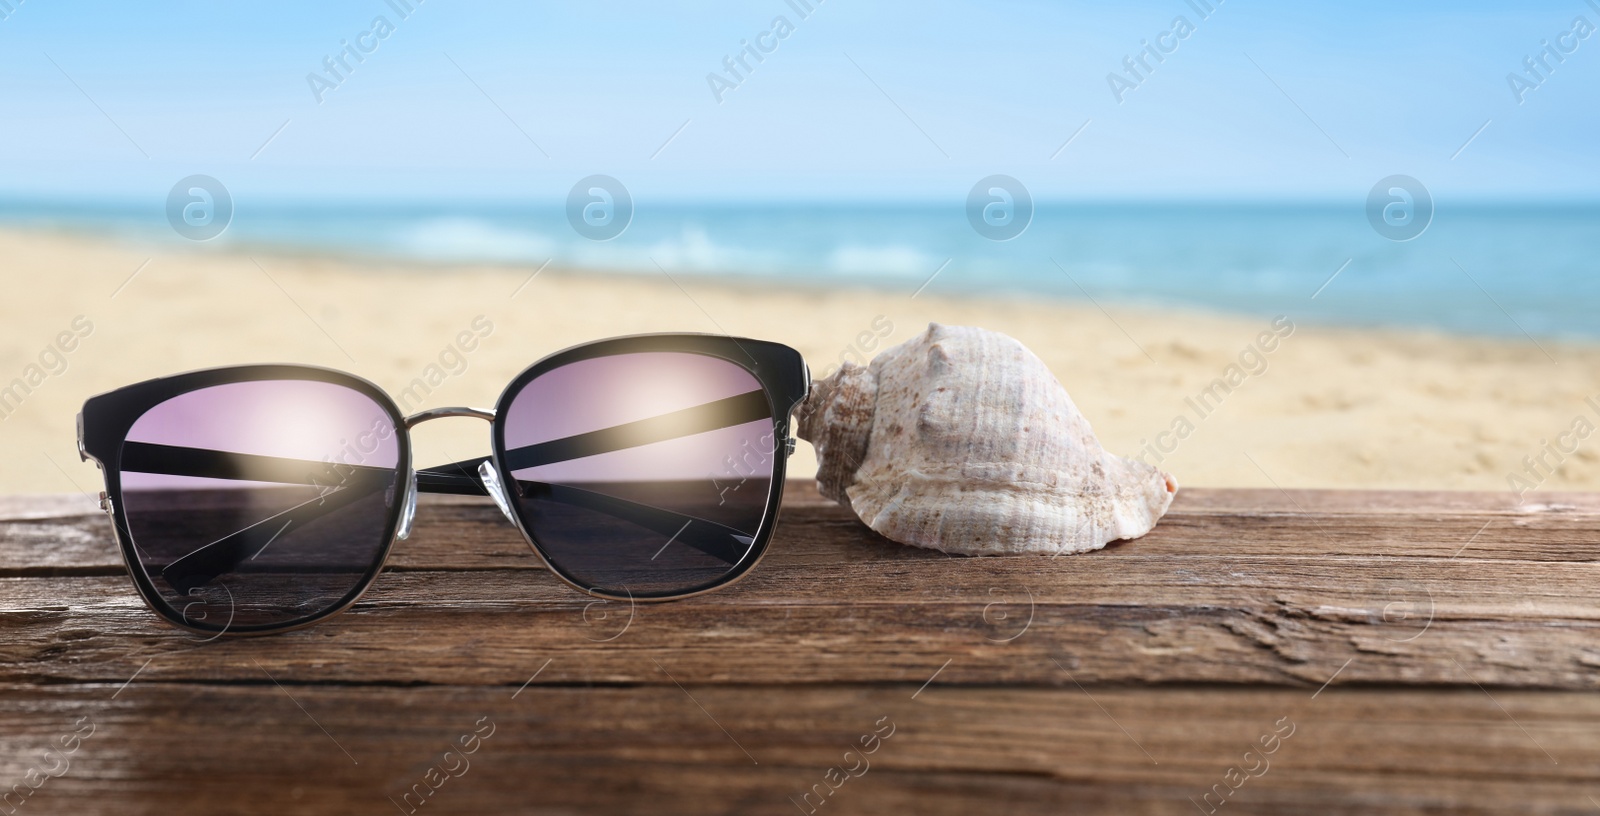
(1396, 652)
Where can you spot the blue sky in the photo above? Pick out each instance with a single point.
(861, 101)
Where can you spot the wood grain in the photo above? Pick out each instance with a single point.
(256, 747)
(1436, 652)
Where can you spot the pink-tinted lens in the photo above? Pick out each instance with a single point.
(263, 503)
(642, 474)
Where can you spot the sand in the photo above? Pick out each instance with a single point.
(1305, 405)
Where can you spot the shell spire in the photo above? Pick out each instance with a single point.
(961, 440)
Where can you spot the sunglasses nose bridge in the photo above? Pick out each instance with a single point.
(454, 411)
(409, 513)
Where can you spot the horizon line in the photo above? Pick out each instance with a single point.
(482, 203)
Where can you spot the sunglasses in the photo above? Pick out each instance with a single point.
(262, 498)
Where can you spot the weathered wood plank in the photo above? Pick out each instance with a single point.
(1429, 649)
(1295, 627)
(1438, 597)
(259, 748)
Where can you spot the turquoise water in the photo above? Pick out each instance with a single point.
(1475, 270)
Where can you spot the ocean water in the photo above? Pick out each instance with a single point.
(1486, 270)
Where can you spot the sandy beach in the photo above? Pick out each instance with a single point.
(1301, 405)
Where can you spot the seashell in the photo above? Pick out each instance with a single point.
(961, 440)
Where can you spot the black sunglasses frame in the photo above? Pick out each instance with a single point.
(106, 419)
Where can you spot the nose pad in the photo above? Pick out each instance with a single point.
(497, 491)
(409, 514)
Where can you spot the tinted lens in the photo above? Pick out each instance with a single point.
(642, 474)
(259, 504)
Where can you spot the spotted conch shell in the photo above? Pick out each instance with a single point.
(961, 440)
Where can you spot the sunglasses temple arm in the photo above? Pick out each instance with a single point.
(350, 482)
(220, 557)
(713, 539)
(729, 412)
(454, 479)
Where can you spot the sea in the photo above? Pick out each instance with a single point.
(1515, 271)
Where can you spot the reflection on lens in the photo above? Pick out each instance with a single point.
(645, 473)
(260, 503)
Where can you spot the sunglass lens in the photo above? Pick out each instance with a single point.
(645, 474)
(260, 504)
